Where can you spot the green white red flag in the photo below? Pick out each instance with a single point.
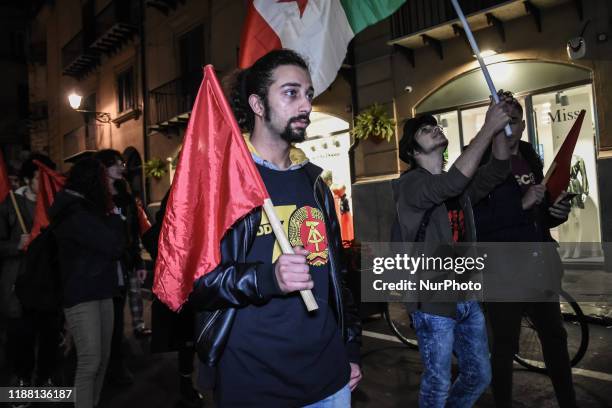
(320, 30)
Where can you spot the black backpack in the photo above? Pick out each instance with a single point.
(39, 287)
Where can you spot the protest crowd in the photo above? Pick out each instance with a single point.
(242, 271)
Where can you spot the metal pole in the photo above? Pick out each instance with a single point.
(476, 50)
(145, 102)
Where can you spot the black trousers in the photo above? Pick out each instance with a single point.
(33, 341)
(505, 323)
(116, 355)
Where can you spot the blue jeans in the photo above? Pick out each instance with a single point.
(439, 337)
(341, 399)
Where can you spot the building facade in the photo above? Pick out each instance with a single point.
(138, 64)
(420, 62)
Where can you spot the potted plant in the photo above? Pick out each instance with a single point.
(155, 168)
(374, 121)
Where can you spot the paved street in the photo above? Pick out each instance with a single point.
(391, 372)
(391, 369)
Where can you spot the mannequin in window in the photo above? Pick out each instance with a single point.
(343, 210)
(572, 232)
(579, 183)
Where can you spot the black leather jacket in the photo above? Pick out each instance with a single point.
(235, 283)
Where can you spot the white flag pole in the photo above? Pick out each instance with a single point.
(476, 50)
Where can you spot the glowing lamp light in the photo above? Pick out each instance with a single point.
(75, 100)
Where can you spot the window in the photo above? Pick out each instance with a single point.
(191, 59)
(125, 90)
(554, 113)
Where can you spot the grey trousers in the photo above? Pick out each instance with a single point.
(91, 326)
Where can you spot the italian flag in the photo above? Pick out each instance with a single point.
(320, 30)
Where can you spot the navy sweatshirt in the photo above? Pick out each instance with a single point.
(278, 354)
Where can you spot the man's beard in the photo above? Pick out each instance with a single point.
(289, 135)
(298, 135)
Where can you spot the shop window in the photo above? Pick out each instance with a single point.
(125, 91)
(327, 145)
(554, 115)
(516, 76)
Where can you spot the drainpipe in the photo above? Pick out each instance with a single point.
(145, 100)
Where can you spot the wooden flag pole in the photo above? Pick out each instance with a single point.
(281, 237)
(18, 212)
(476, 50)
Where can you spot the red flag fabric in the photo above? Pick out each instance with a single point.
(49, 183)
(143, 220)
(215, 184)
(559, 180)
(5, 183)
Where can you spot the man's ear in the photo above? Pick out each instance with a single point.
(256, 105)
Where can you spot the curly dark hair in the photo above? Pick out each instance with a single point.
(88, 177)
(257, 80)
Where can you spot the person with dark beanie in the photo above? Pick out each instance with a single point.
(434, 207)
(87, 227)
(132, 268)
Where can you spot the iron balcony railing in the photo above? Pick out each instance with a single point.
(174, 98)
(419, 15)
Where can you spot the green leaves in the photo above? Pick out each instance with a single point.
(375, 122)
(156, 168)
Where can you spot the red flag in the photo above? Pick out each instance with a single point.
(215, 184)
(559, 179)
(143, 220)
(49, 183)
(5, 183)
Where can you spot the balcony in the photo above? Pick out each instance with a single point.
(77, 59)
(164, 6)
(420, 23)
(107, 32)
(171, 103)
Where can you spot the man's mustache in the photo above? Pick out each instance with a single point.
(300, 118)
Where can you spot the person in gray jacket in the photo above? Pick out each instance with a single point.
(435, 207)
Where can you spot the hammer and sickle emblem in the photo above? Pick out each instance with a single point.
(314, 236)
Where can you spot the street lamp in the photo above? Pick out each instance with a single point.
(75, 100)
(75, 103)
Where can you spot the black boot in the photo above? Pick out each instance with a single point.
(190, 398)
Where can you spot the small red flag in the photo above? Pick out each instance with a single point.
(559, 179)
(216, 183)
(49, 183)
(5, 183)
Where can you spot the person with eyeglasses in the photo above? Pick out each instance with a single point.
(131, 269)
(435, 207)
